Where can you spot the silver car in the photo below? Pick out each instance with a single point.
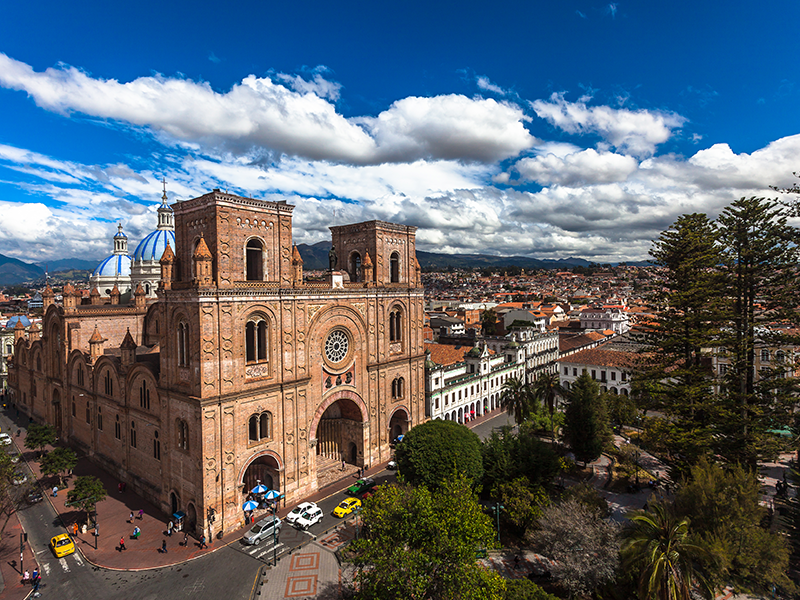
(265, 529)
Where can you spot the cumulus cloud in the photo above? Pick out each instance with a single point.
(485, 83)
(584, 167)
(299, 120)
(634, 132)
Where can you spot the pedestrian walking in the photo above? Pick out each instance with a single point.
(169, 529)
(122, 544)
(55, 491)
(26, 578)
(185, 540)
(136, 533)
(203, 542)
(516, 562)
(141, 514)
(343, 465)
(130, 519)
(35, 575)
(164, 546)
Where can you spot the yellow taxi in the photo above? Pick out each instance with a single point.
(346, 507)
(61, 545)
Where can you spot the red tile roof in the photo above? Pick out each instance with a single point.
(602, 358)
(445, 354)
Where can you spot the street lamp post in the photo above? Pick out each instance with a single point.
(497, 508)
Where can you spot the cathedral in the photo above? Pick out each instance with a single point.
(240, 370)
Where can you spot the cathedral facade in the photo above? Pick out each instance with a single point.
(240, 371)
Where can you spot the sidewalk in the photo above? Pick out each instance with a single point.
(11, 586)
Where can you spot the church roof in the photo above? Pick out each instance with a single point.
(202, 251)
(113, 266)
(12, 322)
(152, 247)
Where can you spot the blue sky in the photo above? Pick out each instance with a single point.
(572, 128)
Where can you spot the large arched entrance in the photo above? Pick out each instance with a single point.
(399, 423)
(57, 418)
(339, 436)
(263, 470)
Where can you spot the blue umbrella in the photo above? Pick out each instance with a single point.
(272, 495)
(259, 489)
(250, 505)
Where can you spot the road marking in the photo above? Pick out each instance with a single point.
(198, 586)
(46, 568)
(64, 565)
(266, 550)
(78, 560)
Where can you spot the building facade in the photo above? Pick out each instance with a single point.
(241, 371)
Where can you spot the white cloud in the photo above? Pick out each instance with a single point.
(632, 132)
(584, 167)
(260, 114)
(485, 83)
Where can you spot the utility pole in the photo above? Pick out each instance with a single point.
(23, 537)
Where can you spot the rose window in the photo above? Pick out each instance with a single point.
(336, 346)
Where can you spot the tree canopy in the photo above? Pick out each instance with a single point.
(585, 419)
(87, 492)
(420, 543)
(518, 399)
(39, 436)
(59, 462)
(438, 450)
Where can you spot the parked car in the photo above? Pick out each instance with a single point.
(346, 506)
(361, 486)
(392, 465)
(19, 478)
(34, 497)
(298, 511)
(268, 528)
(5, 439)
(369, 492)
(309, 518)
(61, 545)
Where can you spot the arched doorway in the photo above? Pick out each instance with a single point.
(173, 502)
(191, 517)
(264, 470)
(339, 435)
(399, 423)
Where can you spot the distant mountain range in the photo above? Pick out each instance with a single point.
(315, 257)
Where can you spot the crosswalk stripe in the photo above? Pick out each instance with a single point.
(46, 568)
(78, 560)
(64, 564)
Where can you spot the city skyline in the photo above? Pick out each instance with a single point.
(582, 129)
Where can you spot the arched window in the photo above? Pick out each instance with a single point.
(764, 355)
(156, 446)
(780, 356)
(355, 269)
(88, 413)
(80, 376)
(117, 429)
(397, 387)
(259, 427)
(183, 344)
(255, 260)
(144, 396)
(133, 434)
(38, 362)
(256, 340)
(394, 267)
(108, 384)
(182, 434)
(100, 418)
(395, 326)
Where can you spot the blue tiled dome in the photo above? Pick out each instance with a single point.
(114, 265)
(12, 322)
(152, 247)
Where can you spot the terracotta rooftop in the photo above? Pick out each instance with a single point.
(445, 354)
(602, 358)
(567, 343)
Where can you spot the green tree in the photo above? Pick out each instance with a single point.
(59, 462)
(525, 589)
(507, 456)
(39, 436)
(547, 389)
(522, 503)
(583, 545)
(658, 547)
(439, 450)
(585, 420)
(419, 543)
(760, 258)
(517, 398)
(722, 505)
(488, 322)
(690, 318)
(86, 493)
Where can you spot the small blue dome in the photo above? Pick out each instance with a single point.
(113, 266)
(12, 322)
(153, 246)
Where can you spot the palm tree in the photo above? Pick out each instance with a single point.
(517, 398)
(658, 544)
(546, 389)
